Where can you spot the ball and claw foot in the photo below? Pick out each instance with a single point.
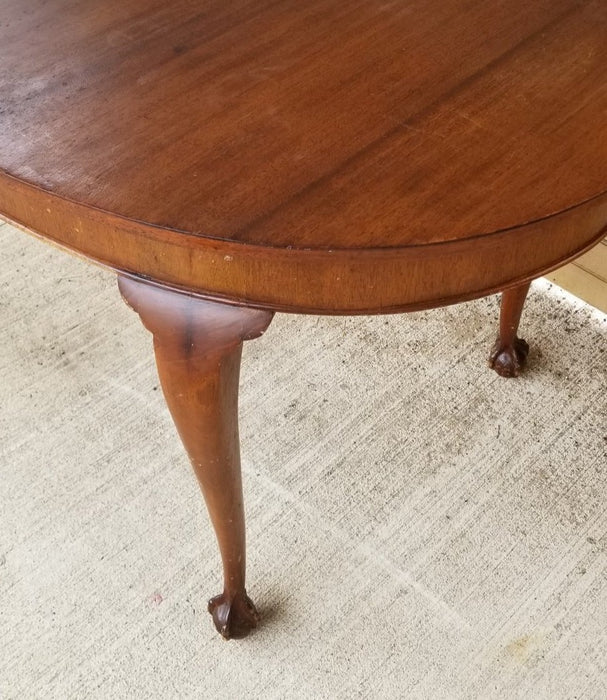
(234, 617)
(508, 361)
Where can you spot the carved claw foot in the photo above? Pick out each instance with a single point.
(508, 361)
(234, 617)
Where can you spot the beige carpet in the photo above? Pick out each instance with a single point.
(418, 527)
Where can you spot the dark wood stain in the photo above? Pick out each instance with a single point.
(198, 346)
(317, 144)
(233, 157)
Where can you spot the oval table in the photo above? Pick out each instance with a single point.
(233, 159)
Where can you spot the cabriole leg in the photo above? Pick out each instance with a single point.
(510, 352)
(198, 346)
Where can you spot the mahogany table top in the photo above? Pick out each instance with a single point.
(310, 155)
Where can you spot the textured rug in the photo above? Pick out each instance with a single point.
(418, 527)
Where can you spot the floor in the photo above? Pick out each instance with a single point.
(586, 277)
(418, 527)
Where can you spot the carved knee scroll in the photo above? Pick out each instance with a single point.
(198, 347)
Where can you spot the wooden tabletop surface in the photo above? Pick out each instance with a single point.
(227, 145)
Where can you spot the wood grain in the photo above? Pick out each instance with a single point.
(198, 346)
(318, 156)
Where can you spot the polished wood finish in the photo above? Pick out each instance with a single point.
(320, 156)
(198, 345)
(510, 352)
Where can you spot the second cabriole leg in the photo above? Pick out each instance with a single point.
(510, 352)
(198, 346)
